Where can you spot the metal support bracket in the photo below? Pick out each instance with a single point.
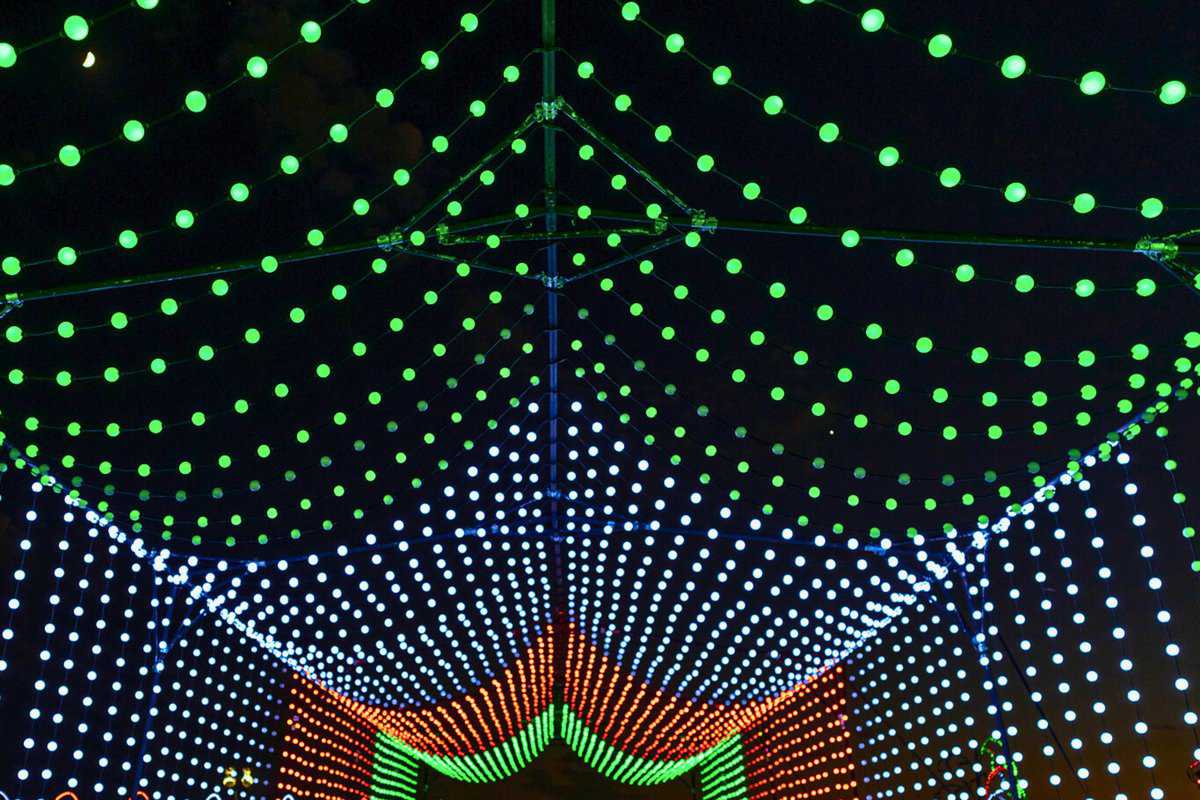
(547, 110)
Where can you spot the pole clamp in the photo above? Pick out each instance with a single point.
(547, 110)
(553, 281)
(703, 222)
(386, 242)
(1163, 251)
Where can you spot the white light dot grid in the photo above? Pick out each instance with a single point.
(618, 610)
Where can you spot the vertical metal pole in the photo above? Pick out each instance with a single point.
(550, 186)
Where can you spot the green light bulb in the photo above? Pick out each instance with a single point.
(8, 55)
(127, 239)
(184, 218)
(1083, 203)
(429, 59)
(630, 11)
(76, 28)
(1013, 66)
(69, 155)
(134, 131)
(585, 69)
(469, 22)
(773, 104)
(1092, 82)
(239, 192)
(1015, 192)
(195, 101)
(828, 132)
(889, 156)
(1172, 92)
(256, 67)
(1151, 207)
(310, 31)
(338, 133)
(674, 42)
(722, 75)
(872, 20)
(950, 177)
(940, 45)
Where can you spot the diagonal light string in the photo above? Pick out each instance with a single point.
(1147, 208)
(279, 172)
(137, 133)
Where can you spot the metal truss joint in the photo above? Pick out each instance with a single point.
(547, 110)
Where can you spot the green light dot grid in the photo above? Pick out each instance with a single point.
(904, 428)
(711, 450)
(74, 28)
(1011, 66)
(264, 451)
(1003, 490)
(865, 148)
(296, 163)
(191, 104)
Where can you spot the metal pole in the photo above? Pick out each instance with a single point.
(552, 282)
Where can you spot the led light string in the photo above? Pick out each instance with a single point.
(289, 164)
(72, 639)
(1163, 614)
(585, 597)
(1188, 531)
(1045, 606)
(19, 574)
(713, 451)
(1130, 431)
(750, 190)
(1072, 591)
(1012, 66)
(860, 420)
(74, 27)
(828, 132)
(1119, 626)
(38, 487)
(816, 462)
(891, 387)
(1084, 357)
(39, 684)
(428, 359)
(904, 257)
(339, 292)
(625, 300)
(134, 130)
(875, 673)
(437, 549)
